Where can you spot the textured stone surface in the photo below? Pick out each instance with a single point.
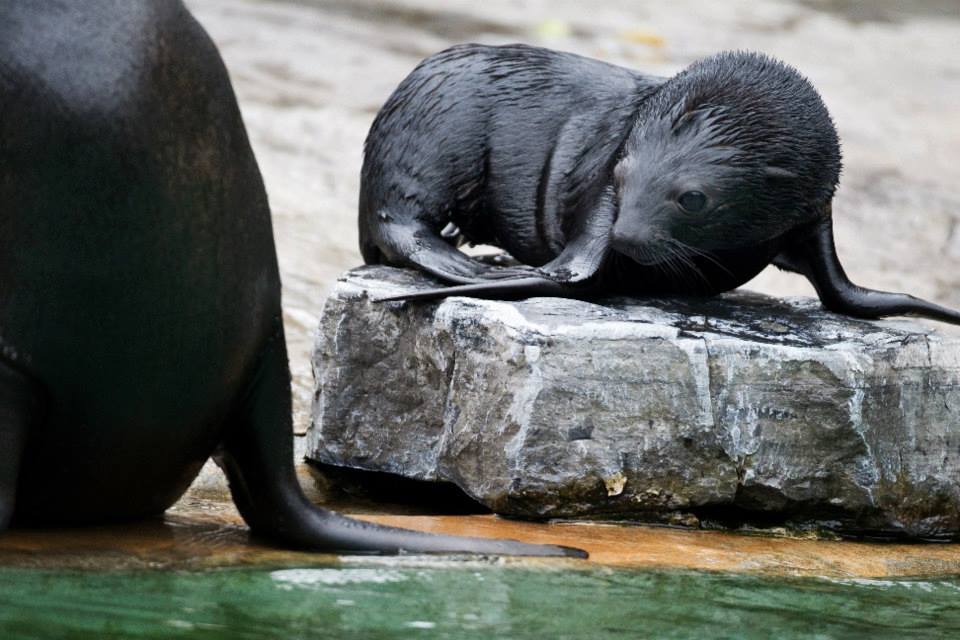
(741, 408)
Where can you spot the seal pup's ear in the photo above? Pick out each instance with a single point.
(812, 252)
(682, 120)
(779, 173)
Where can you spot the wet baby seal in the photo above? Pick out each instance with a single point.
(604, 180)
(140, 319)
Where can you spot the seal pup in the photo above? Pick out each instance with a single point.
(601, 180)
(140, 318)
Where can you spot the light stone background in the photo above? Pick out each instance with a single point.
(311, 74)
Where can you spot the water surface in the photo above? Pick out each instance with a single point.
(412, 598)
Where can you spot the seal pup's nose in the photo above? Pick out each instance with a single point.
(620, 239)
(632, 239)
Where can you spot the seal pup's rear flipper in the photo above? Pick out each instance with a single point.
(257, 455)
(813, 254)
(509, 289)
(18, 409)
(579, 261)
(416, 245)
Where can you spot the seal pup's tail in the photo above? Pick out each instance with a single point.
(813, 254)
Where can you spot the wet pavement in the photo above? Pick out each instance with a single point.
(207, 534)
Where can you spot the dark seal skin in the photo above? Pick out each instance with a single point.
(602, 180)
(140, 319)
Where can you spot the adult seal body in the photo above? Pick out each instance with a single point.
(600, 179)
(140, 319)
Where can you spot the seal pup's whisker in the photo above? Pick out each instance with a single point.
(706, 255)
(691, 266)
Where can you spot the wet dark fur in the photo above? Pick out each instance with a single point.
(492, 138)
(140, 318)
(574, 167)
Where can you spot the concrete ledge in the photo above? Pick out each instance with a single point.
(741, 408)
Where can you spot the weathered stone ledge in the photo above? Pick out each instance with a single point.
(736, 408)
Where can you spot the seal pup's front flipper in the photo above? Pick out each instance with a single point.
(19, 408)
(588, 248)
(257, 455)
(812, 253)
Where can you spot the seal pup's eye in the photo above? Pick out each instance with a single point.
(692, 201)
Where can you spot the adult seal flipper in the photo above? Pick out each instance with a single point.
(812, 253)
(140, 316)
(257, 456)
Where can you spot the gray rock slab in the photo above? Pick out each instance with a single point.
(735, 409)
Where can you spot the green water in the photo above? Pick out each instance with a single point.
(409, 599)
